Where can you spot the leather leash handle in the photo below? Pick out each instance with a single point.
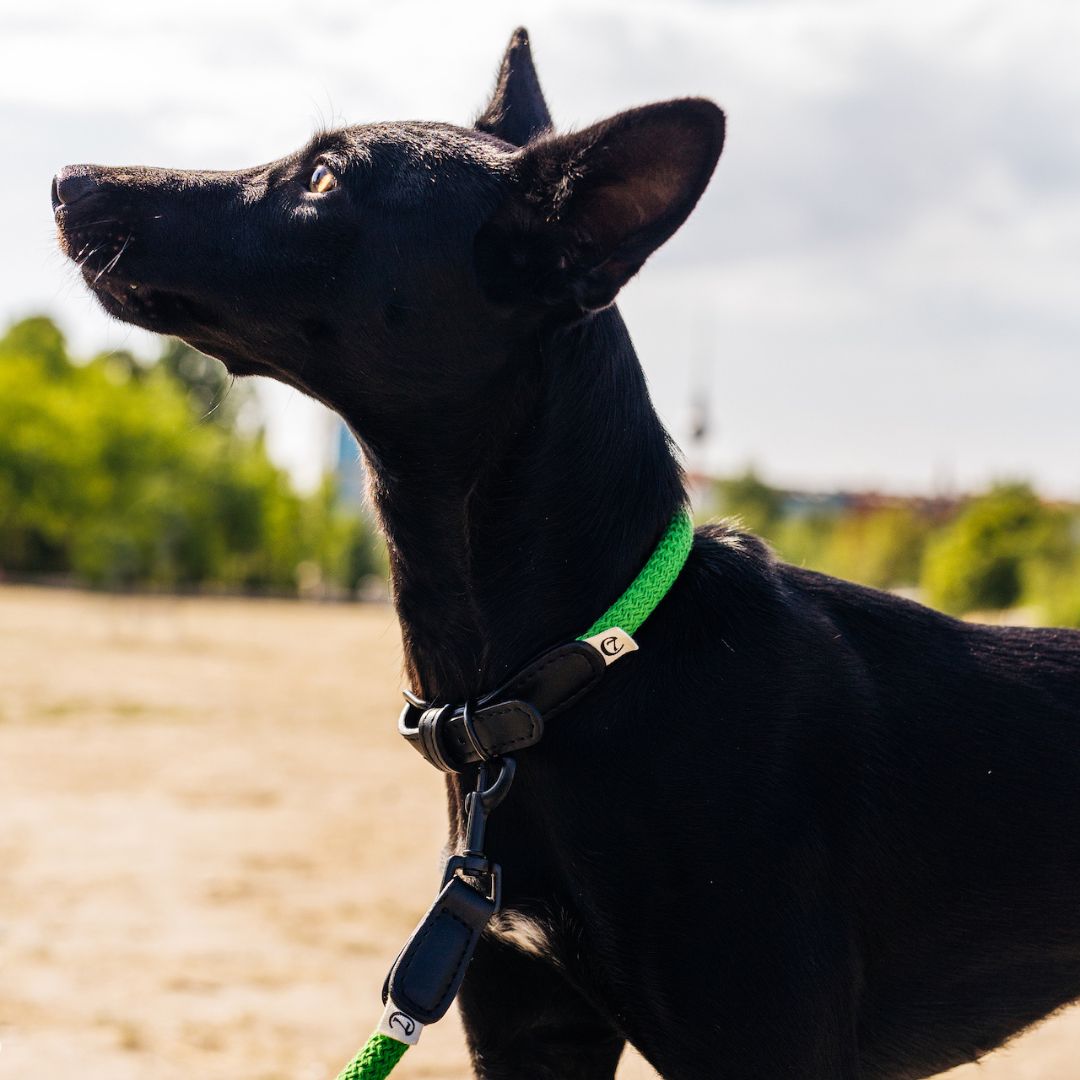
(428, 972)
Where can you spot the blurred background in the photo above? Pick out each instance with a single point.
(865, 341)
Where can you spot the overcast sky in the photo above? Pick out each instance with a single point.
(879, 288)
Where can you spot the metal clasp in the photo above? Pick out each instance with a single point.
(473, 864)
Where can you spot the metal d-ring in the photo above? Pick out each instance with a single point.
(491, 796)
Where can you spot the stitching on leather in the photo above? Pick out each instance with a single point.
(522, 740)
(560, 703)
(407, 961)
(567, 702)
(536, 669)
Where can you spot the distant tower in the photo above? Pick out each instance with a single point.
(699, 473)
(699, 420)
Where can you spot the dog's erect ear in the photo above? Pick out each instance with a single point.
(590, 207)
(517, 111)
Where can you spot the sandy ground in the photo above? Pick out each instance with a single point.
(213, 844)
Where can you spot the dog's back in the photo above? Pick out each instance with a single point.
(914, 775)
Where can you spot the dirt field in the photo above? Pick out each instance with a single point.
(213, 844)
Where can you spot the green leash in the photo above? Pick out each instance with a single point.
(376, 1060)
(610, 635)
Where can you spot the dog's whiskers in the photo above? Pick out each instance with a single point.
(111, 264)
(230, 383)
(89, 255)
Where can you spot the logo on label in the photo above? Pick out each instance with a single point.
(406, 1023)
(611, 646)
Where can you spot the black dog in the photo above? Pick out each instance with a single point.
(809, 830)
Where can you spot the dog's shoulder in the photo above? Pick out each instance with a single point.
(733, 574)
(743, 570)
(735, 595)
(726, 557)
(740, 596)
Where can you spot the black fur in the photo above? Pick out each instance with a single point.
(810, 830)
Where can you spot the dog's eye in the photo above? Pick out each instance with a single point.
(322, 180)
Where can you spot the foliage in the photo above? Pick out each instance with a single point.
(121, 473)
(211, 394)
(883, 548)
(40, 337)
(1053, 587)
(981, 559)
(993, 551)
(748, 498)
(109, 475)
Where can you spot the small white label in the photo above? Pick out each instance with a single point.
(399, 1025)
(612, 644)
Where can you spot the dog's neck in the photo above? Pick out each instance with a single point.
(508, 541)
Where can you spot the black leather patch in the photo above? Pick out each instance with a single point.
(556, 680)
(427, 974)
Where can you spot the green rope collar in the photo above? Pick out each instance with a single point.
(382, 1051)
(652, 583)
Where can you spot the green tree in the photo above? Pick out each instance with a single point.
(40, 337)
(883, 548)
(980, 560)
(109, 473)
(340, 542)
(747, 497)
(212, 392)
(804, 539)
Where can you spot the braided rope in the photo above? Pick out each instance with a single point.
(376, 1060)
(651, 585)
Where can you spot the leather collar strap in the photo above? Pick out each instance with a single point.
(453, 737)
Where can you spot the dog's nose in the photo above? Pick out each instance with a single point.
(70, 185)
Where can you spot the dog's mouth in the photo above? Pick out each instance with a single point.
(109, 262)
(123, 267)
(143, 305)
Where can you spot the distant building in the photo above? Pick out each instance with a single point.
(705, 501)
(701, 489)
(346, 465)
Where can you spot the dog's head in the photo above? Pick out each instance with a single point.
(388, 264)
